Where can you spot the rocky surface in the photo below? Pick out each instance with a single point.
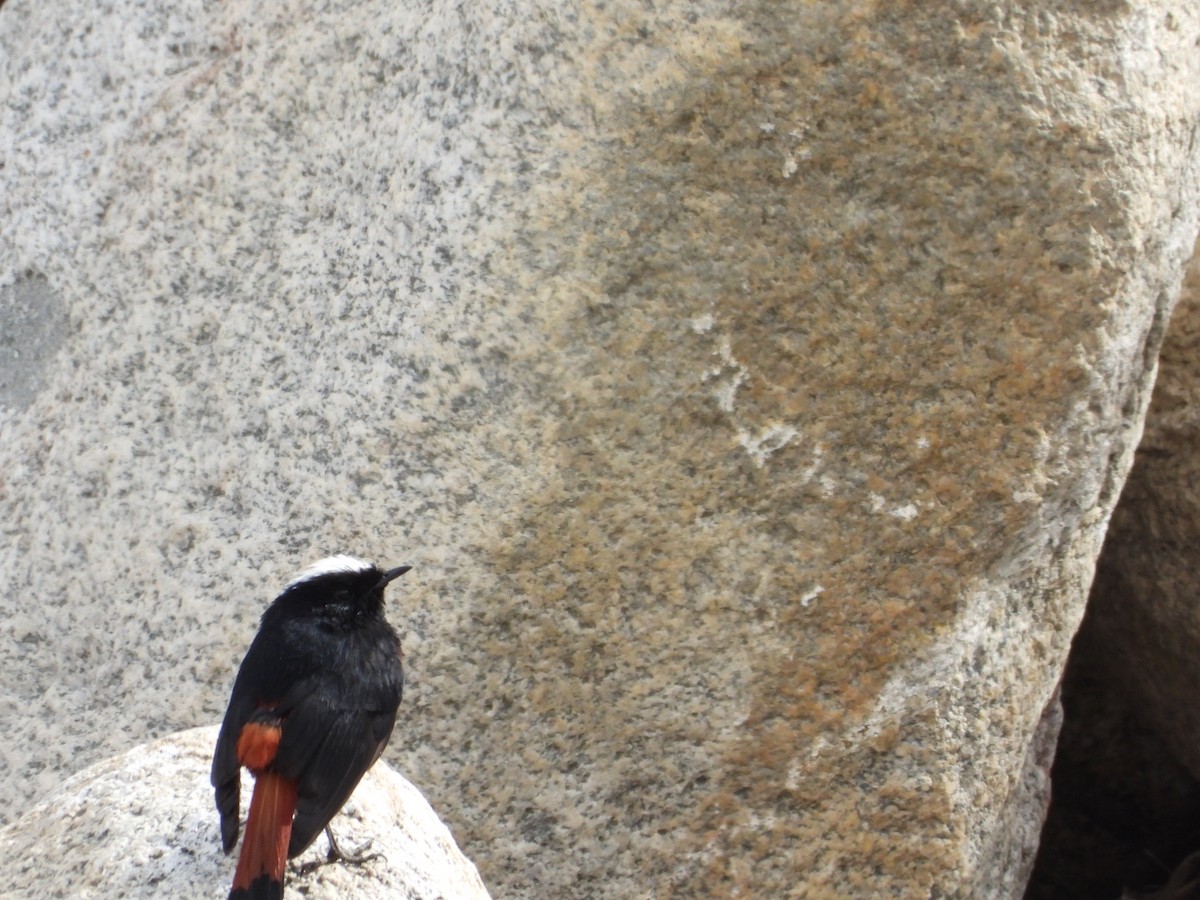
(143, 824)
(1144, 616)
(1127, 777)
(749, 385)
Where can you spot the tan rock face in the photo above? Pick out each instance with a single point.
(841, 410)
(749, 387)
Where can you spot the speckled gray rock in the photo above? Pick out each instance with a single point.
(749, 385)
(142, 824)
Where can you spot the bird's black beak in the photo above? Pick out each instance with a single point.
(391, 575)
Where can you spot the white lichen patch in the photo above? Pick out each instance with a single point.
(767, 441)
(729, 375)
(906, 511)
(759, 441)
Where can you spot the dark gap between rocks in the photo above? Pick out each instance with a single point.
(1124, 814)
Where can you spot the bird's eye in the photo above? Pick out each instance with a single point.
(342, 596)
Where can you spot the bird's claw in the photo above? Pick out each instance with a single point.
(355, 857)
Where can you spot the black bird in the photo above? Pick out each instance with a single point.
(311, 710)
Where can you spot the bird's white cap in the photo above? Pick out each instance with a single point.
(330, 565)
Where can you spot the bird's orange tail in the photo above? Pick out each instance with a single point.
(259, 873)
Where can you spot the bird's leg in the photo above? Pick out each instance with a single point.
(356, 857)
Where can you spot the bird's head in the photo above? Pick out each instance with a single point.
(340, 582)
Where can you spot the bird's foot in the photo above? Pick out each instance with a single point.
(355, 857)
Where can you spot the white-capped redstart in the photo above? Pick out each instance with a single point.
(311, 710)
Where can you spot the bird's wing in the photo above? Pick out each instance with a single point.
(249, 689)
(327, 751)
(227, 771)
